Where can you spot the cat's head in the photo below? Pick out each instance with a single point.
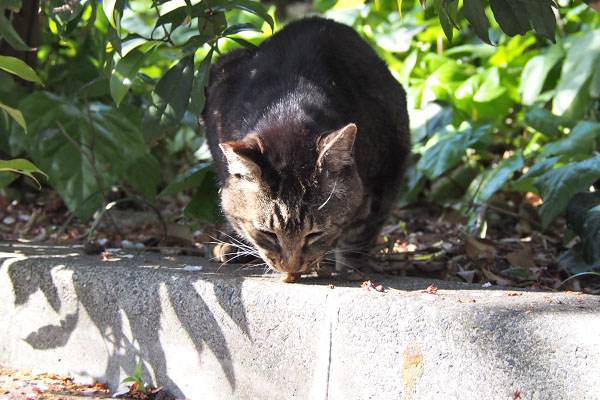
(292, 207)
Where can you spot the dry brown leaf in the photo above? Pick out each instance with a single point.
(479, 248)
(501, 281)
(522, 258)
(355, 276)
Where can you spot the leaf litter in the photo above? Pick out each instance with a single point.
(24, 384)
(423, 240)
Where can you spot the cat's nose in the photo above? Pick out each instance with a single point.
(292, 264)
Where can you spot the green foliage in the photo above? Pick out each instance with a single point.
(124, 85)
(583, 217)
(19, 166)
(119, 77)
(136, 378)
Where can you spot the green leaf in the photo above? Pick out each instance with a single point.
(192, 178)
(137, 373)
(14, 4)
(244, 43)
(176, 16)
(578, 208)
(15, 114)
(544, 21)
(205, 202)
(491, 88)
(595, 83)
(494, 179)
(12, 37)
(127, 68)
(21, 166)
(525, 182)
(114, 39)
(573, 260)
(6, 178)
(237, 28)
(445, 20)
(170, 99)
(19, 68)
(145, 175)
(118, 146)
(324, 5)
(113, 9)
(535, 72)
(573, 89)
(194, 43)
(253, 7)
(474, 11)
(511, 15)
(198, 96)
(582, 140)
(446, 149)
(454, 186)
(558, 185)
(547, 123)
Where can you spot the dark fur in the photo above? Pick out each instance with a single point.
(278, 106)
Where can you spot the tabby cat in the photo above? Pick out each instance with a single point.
(309, 135)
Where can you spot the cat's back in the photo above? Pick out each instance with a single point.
(313, 76)
(331, 56)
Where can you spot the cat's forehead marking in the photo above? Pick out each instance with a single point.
(287, 217)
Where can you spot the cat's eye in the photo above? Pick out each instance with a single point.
(312, 237)
(270, 235)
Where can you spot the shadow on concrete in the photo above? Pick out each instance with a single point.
(130, 330)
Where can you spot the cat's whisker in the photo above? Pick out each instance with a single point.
(233, 240)
(329, 198)
(333, 260)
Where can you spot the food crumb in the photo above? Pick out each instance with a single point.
(291, 277)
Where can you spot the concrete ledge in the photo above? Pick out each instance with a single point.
(223, 334)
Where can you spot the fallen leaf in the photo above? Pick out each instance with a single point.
(522, 258)
(431, 289)
(479, 248)
(323, 274)
(497, 278)
(355, 276)
(367, 285)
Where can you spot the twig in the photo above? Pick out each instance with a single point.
(69, 6)
(509, 213)
(167, 34)
(480, 218)
(90, 158)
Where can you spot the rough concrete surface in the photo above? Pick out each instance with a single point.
(238, 334)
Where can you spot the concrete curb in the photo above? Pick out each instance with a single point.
(223, 334)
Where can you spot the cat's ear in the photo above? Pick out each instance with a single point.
(335, 148)
(240, 156)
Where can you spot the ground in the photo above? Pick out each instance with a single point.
(424, 240)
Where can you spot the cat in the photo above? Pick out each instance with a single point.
(309, 135)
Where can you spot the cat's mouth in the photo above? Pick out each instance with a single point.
(294, 266)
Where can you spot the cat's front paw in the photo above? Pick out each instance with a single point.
(225, 252)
